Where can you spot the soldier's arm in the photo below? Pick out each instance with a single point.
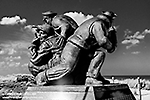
(113, 39)
(100, 35)
(60, 24)
(63, 27)
(35, 44)
(32, 50)
(36, 41)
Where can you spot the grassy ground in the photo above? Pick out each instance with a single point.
(13, 89)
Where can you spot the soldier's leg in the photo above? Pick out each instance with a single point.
(93, 73)
(69, 58)
(36, 69)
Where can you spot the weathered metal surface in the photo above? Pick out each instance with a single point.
(79, 92)
(113, 92)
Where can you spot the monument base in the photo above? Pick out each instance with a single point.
(79, 92)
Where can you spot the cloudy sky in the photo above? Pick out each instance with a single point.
(131, 57)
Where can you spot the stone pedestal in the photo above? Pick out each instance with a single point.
(79, 92)
(62, 92)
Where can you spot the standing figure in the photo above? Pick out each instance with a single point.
(99, 55)
(82, 47)
(49, 49)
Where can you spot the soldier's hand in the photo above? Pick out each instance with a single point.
(41, 79)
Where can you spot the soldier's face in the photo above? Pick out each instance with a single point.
(47, 19)
(43, 34)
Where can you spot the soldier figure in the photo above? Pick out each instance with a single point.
(85, 43)
(50, 41)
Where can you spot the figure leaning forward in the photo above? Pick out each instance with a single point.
(50, 39)
(82, 57)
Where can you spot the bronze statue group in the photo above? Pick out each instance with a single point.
(63, 53)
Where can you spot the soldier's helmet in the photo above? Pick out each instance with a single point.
(49, 14)
(109, 14)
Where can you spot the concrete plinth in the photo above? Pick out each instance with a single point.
(62, 92)
(79, 92)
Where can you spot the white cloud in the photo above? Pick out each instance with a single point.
(11, 58)
(79, 17)
(135, 52)
(13, 64)
(10, 61)
(29, 29)
(147, 31)
(1, 52)
(7, 50)
(131, 45)
(2, 64)
(134, 39)
(8, 77)
(11, 51)
(12, 20)
(13, 47)
(24, 65)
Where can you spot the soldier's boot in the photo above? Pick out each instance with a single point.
(93, 81)
(103, 80)
(93, 74)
